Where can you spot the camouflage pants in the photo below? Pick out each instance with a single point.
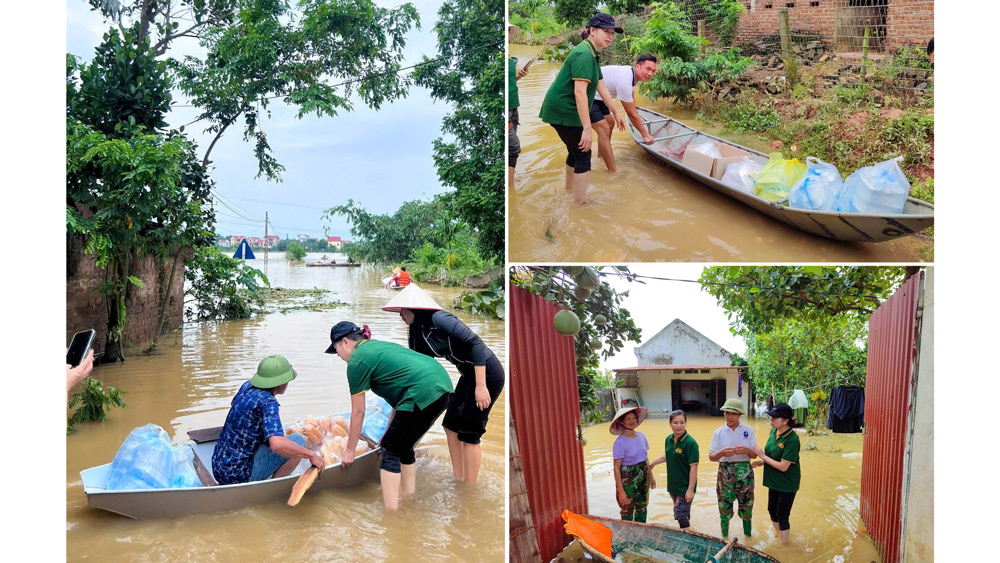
(735, 484)
(635, 481)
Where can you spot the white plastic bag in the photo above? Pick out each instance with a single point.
(742, 174)
(881, 189)
(818, 188)
(798, 400)
(708, 148)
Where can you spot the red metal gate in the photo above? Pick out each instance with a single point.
(889, 380)
(545, 407)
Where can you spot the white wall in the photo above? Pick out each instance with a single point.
(680, 345)
(918, 531)
(655, 387)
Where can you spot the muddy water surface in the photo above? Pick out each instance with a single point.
(825, 520)
(189, 384)
(649, 212)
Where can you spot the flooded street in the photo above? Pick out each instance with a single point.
(189, 384)
(825, 519)
(649, 212)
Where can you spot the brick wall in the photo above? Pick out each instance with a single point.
(906, 22)
(86, 308)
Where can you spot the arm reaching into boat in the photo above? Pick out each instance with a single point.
(287, 448)
(633, 116)
(354, 434)
(602, 89)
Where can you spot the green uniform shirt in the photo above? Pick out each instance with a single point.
(404, 378)
(786, 447)
(680, 455)
(512, 101)
(559, 105)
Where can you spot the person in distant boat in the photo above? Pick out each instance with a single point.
(620, 81)
(681, 456)
(252, 445)
(782, 474)
(400, 277)
(438, 333)
(567, 103)
(632, 470)
(733, 446)
(416, 387)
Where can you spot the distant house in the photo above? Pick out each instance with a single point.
(225, 243)
(681, 368)
(334, 242)
(272, 240)
(235, 240)
(255, 242)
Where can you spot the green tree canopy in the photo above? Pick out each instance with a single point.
(575, 12)
(469, 74)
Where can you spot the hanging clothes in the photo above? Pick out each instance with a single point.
(847, 409)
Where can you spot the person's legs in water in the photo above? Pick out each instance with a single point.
(409, 479)
(456, 450)
(604, 129)
(726, 494)
(472, 458)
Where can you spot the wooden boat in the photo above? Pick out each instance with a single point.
(672, 137)
(166, 503)
(637, 541)
(329, 265)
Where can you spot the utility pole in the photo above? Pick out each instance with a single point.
(267, 245)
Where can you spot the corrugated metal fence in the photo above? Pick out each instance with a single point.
(545, 408)
(889, 379)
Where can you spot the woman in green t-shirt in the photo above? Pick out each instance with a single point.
(416, 387)
(681, 456)
(566, 106)
(782, 474)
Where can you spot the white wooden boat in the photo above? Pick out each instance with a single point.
(672, 137)
(167, 503)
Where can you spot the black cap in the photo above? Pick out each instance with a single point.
(340, 330)
(604, 21)
(781, 410)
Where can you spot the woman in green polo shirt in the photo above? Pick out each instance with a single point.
(782, 474)
(416, 386)
(566, 106)
(681, 456)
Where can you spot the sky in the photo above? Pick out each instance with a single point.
(377, 158)
(655, 304)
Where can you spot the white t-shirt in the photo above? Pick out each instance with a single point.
(727, 437)
(620, 80)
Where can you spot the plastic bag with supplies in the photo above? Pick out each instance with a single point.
(881, 189)
(777, 177)
(817, 189)
(147, 460)
(742, 175)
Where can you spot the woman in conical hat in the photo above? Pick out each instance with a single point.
(633, 473)
(439, 334)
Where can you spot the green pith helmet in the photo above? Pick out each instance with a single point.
(272, 372)
(733, 405)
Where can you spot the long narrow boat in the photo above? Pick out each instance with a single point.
(637, 541)
(673, 137)
(166, 503)
(329, 265)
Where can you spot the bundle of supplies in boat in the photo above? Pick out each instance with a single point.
(327, 436)
(814, 185)
(147, 460)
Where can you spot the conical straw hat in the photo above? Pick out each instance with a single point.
(617, 429)
(412, 297)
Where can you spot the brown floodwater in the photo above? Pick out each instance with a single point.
(650, 212)
(189, 384)
(825, 521)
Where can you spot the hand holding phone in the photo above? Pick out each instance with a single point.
(79, 346)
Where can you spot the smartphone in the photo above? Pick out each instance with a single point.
(527, 64)
(79, 346)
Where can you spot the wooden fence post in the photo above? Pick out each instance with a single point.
(787, 54)
(702, 34)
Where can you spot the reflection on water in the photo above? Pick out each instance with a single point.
(189, 384)
(825, 519)
(649, 212)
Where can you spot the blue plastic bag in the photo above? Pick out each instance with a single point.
(818, 188)
(147, 460)
(881, 189)
(377, 413)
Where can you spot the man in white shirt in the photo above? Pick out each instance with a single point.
(620, 81)
(732, 446)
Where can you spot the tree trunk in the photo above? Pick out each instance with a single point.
(149, 8)
(164, 297)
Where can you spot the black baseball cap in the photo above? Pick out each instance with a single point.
(604, 21)
(781, 410)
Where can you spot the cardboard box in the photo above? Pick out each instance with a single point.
(714, 167)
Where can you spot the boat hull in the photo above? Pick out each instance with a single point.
(666, 543)
(167, 503)
(853, 227)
